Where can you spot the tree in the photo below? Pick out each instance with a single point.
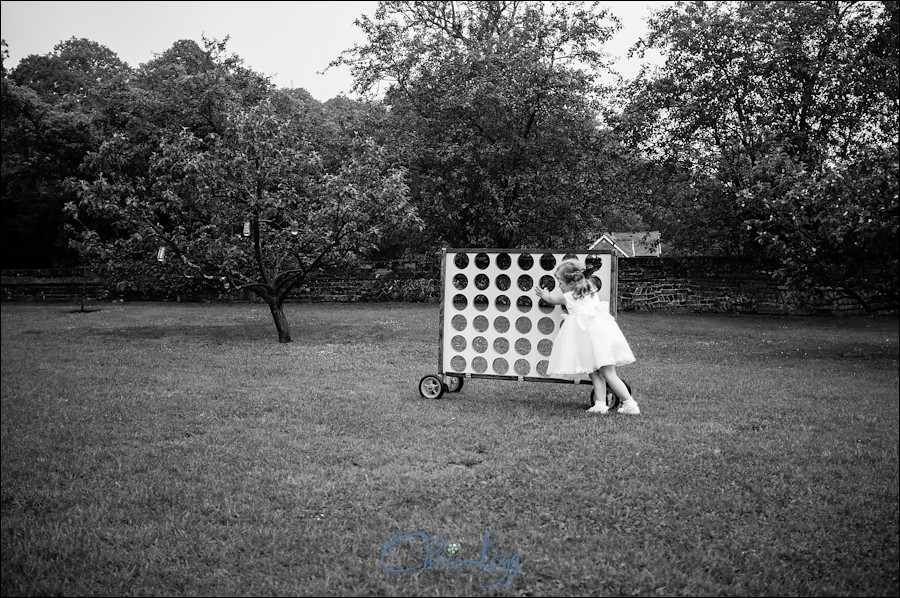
(760, 109)
(837, 226)
(49, 104)
(494, 108)
(185, 88)
(253, 206)
(75, 73)
(208, 176)
(195, 88)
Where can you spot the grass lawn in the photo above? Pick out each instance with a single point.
(179, 449)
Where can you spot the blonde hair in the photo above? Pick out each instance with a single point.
(572, 273)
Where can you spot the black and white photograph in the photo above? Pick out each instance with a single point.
(450, 298)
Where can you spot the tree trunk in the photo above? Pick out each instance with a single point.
(281, 323)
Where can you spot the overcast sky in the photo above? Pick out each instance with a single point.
(292, 42)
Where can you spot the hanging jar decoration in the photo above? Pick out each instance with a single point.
(295, 227)
(247, 228)
(161, 254)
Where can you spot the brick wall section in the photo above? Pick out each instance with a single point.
(401, 280)
(717, 285)
(50, 285)
(692, 284)
(703, 284)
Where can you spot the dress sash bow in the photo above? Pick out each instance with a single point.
(585, 315)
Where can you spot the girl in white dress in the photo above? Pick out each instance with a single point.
(590, 342)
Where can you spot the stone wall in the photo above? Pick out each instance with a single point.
(50, 285)
(718, 285)
(400, 280)
(695, 284)
(692, 284)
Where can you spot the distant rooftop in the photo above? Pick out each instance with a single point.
(630, 244)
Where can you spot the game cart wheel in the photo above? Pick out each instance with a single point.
(612, 401)
(431, 387)
(454, 383)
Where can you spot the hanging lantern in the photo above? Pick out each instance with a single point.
(161, 254)
(295, 227)
(247, 228)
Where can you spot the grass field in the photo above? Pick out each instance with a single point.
(175, 449)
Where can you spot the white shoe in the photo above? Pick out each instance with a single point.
(629, 408)
(600, 408)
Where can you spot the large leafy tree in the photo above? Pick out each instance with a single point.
(76, 72)
(835, 226)
(185, 88)
(49, 106)
(252, 207)
(758, 121)
(494, 107)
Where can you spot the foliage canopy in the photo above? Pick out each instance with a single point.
(770, 129)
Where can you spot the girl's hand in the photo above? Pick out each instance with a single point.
(541, 292)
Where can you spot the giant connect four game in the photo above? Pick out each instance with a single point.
(493, 325)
